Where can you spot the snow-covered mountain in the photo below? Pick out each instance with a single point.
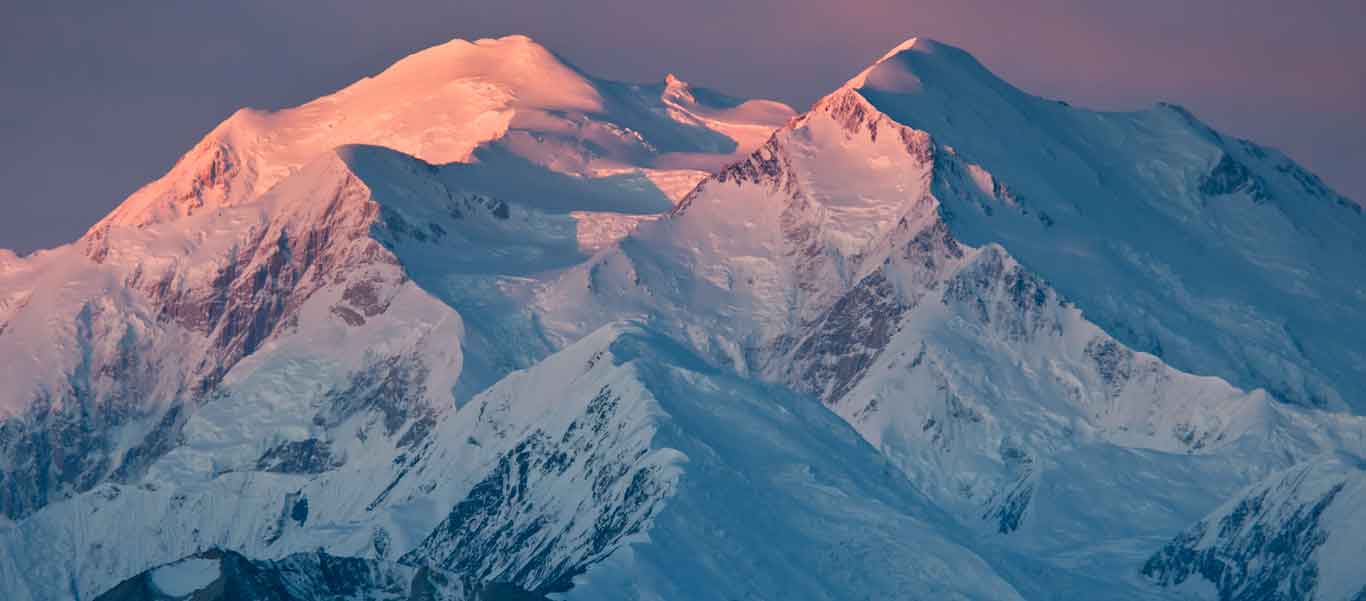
(277, 231)
(831, 262)
(1221, 256)
(487, 315)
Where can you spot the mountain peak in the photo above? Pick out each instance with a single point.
(904, 46)
(514, 39)
(516, 63)
(677, 90)
(904, 68)
(515, 46)
(439, 105)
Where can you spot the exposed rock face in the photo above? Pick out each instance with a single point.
(836, 354)
(501, 531)
(311, 456)
(267, 277)
(67, 440)
(1281, 540)
(1229, 177)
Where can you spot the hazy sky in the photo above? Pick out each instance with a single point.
(95, 99)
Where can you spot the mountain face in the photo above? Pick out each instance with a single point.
(485, 325)
(615, 465)
(279, 230)
(1294, 536)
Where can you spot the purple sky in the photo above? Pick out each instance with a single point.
(95, 101)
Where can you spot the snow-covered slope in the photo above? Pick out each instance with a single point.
(621, 465)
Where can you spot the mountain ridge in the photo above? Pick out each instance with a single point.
(429, 358)
(1238, 207)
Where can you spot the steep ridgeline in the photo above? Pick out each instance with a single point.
(834, 260)
(246, 309)
(619, 468)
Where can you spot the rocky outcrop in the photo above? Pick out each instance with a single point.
(1284, 539)
(502, 532)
